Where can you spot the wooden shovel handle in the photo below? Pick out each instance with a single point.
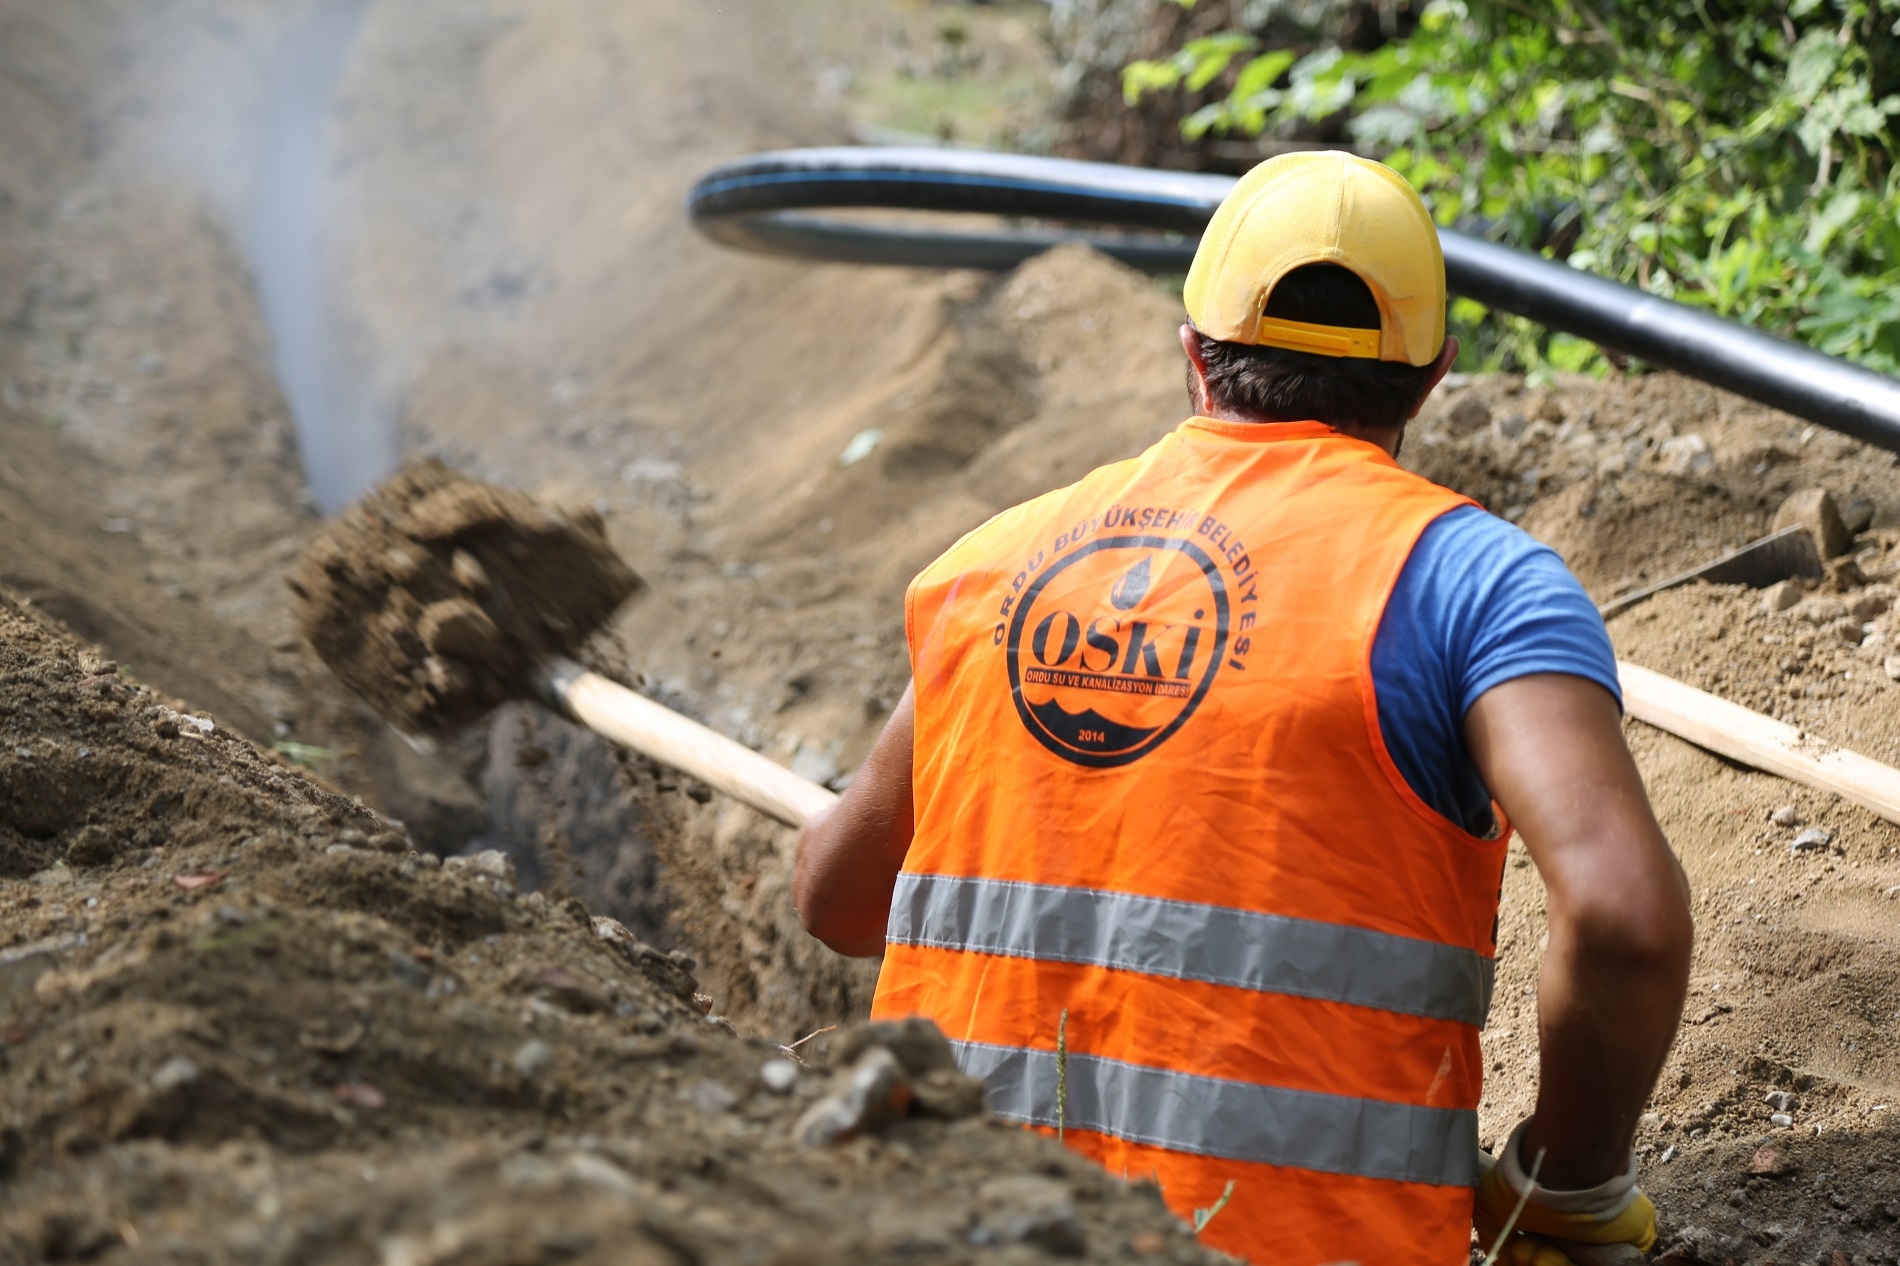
(1758, 741)
(635, 721)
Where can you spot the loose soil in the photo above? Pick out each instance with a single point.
(244, 1021)
(509, 250)
(435, 597)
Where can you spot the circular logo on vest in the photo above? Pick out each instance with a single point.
(1112, 648)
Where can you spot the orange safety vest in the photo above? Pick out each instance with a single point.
(1152, 796)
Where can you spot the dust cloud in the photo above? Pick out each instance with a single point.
(343, 432)
(243, 121)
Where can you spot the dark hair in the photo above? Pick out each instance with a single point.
(1278, 385)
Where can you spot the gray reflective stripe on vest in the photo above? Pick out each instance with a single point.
(1189, 941)
(1232, 1120)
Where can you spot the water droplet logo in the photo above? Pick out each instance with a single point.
(1133, 586)
(1108, 657)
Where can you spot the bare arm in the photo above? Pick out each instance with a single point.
(847, 859)
(1610, 991)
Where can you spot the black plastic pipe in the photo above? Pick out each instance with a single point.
(752, 204)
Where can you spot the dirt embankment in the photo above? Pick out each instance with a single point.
(150, 491)
(1023, 383)
(242, 1021)
(61, 542)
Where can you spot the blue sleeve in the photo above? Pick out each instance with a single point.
(1478, 603)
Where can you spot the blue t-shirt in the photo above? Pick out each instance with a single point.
(1479, 602)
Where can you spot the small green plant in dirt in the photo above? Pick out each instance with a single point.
(1517, 1211)
(309, 755)
(1736, 156)
(1062, 1075)
(1203, 1216)
(226, 937)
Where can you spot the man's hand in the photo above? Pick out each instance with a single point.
(1610, 991)
(846, 863)
(1612, 1224)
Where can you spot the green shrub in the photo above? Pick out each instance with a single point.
(1736, 156)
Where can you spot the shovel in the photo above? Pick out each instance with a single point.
(1758, 564)
(437, 598)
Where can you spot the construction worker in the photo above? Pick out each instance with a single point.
(1198, 804)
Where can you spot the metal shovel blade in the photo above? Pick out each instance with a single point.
(1758, 564)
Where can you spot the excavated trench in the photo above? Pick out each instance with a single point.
(510, 252)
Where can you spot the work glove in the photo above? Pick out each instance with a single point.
(1613, 1224)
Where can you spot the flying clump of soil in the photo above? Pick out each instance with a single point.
(435, 597)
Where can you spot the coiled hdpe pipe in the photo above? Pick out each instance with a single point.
(753, 204)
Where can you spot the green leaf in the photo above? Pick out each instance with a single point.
(1207, 119)
(1141, 78)
(1571, 355)
(1812, 64)
(1815, 131)
(1467, 311)
(1260, 74)
(1683, 150)
(1863, 118)
(1212, 55)
(307, 754)
(1385, 126)
(1203, 1216)
(1836, 215)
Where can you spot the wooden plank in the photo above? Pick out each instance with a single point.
(1758, 741)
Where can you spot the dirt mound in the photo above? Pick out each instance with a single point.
(435, 597)
(1795, 993)
(241, 1021)
(778, 447)
(150, 489)
(1634, 479)
(56, 552)
(95, 767)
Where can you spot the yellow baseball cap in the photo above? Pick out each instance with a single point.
(1322, 207)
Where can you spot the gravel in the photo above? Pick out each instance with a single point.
(1811, 840)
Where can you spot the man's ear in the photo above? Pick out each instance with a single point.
(1197, 369)
(1440, 367)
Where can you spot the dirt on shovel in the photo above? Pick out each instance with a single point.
(435, 597)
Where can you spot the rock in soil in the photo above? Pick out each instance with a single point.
(1814, 509)
(868, 1096)
(435, 597)
(335, 1053)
